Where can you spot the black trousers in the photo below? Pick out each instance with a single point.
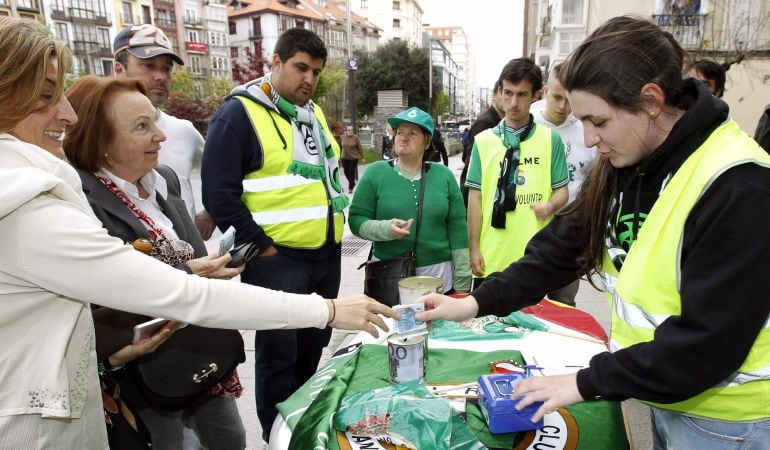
(350, 168)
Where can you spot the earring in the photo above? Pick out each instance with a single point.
(652, 114)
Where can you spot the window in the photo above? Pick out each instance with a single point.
(195, 64)
(104, 38)
(299, 23)
(256, 27)
(190, 15)
(572, 12)
(364, 4)
(29, 4)
(396, 23)
(216, 13)
(232, 27)
(569, 42)
(192, 36)
(125, 12)
(61, 32)
(107, 67)
(234, 52)
(396, 5)
(336, 38)
(146, 14)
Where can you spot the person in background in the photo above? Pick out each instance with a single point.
(517, 177)
(676, 177)
(387, 143)
(56, 259)
(711, 73)
(439, 154)
(489, 118)
(115, 149)
(271, 170)
(554, 111)
(762, 133)
(384, 208)
(352, 152)
(144, 51)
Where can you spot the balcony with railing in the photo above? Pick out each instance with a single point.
(687, 29)
(58, 11)
(86, 47)
(192, 21)
(169, 24)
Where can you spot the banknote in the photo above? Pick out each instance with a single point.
(407, 325)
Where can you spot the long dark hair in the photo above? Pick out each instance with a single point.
(614, 63)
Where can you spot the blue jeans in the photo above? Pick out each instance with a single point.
(285, 359)
(672, 430)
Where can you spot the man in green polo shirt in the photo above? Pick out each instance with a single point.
(517, 177)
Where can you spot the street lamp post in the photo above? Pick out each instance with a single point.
(351, 68)
(430, 76)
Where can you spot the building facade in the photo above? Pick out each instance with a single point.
(398, 19)
(731, 32)
(455, 40)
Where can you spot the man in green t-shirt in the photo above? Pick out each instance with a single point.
(517, 177)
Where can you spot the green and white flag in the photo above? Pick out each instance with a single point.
(309, 412)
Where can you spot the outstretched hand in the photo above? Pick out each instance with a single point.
(439, 306)
(554, 392)
(359, 312)
(213, 266)
(147, 345)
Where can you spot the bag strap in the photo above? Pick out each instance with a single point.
(419, 206)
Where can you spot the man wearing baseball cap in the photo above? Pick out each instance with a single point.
(144, 51)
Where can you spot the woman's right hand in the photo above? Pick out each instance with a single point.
(214, 267)
(359, 312)
(147, 345)
(443, 307)
(400, 228)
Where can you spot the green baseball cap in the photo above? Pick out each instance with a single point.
(413, 115)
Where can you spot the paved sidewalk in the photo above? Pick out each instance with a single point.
(354, 253)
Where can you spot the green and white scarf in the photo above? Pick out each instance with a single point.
(314, 155)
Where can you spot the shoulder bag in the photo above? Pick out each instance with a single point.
(381, 277)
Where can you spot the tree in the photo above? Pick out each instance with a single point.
(196, 100)
(253, 69)
(394, 66)
(440, 104)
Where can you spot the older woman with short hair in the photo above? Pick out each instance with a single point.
(114, 147)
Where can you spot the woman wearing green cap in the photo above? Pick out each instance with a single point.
(384, 208)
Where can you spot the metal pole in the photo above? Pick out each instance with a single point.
(430, 76)
(351, 79)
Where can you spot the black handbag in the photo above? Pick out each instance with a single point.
(192, 361)
(382, 277)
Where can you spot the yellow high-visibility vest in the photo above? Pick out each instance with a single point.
(646, 291)
(502, 246)
(291, 209)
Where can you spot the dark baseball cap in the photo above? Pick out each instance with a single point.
(144, 41)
